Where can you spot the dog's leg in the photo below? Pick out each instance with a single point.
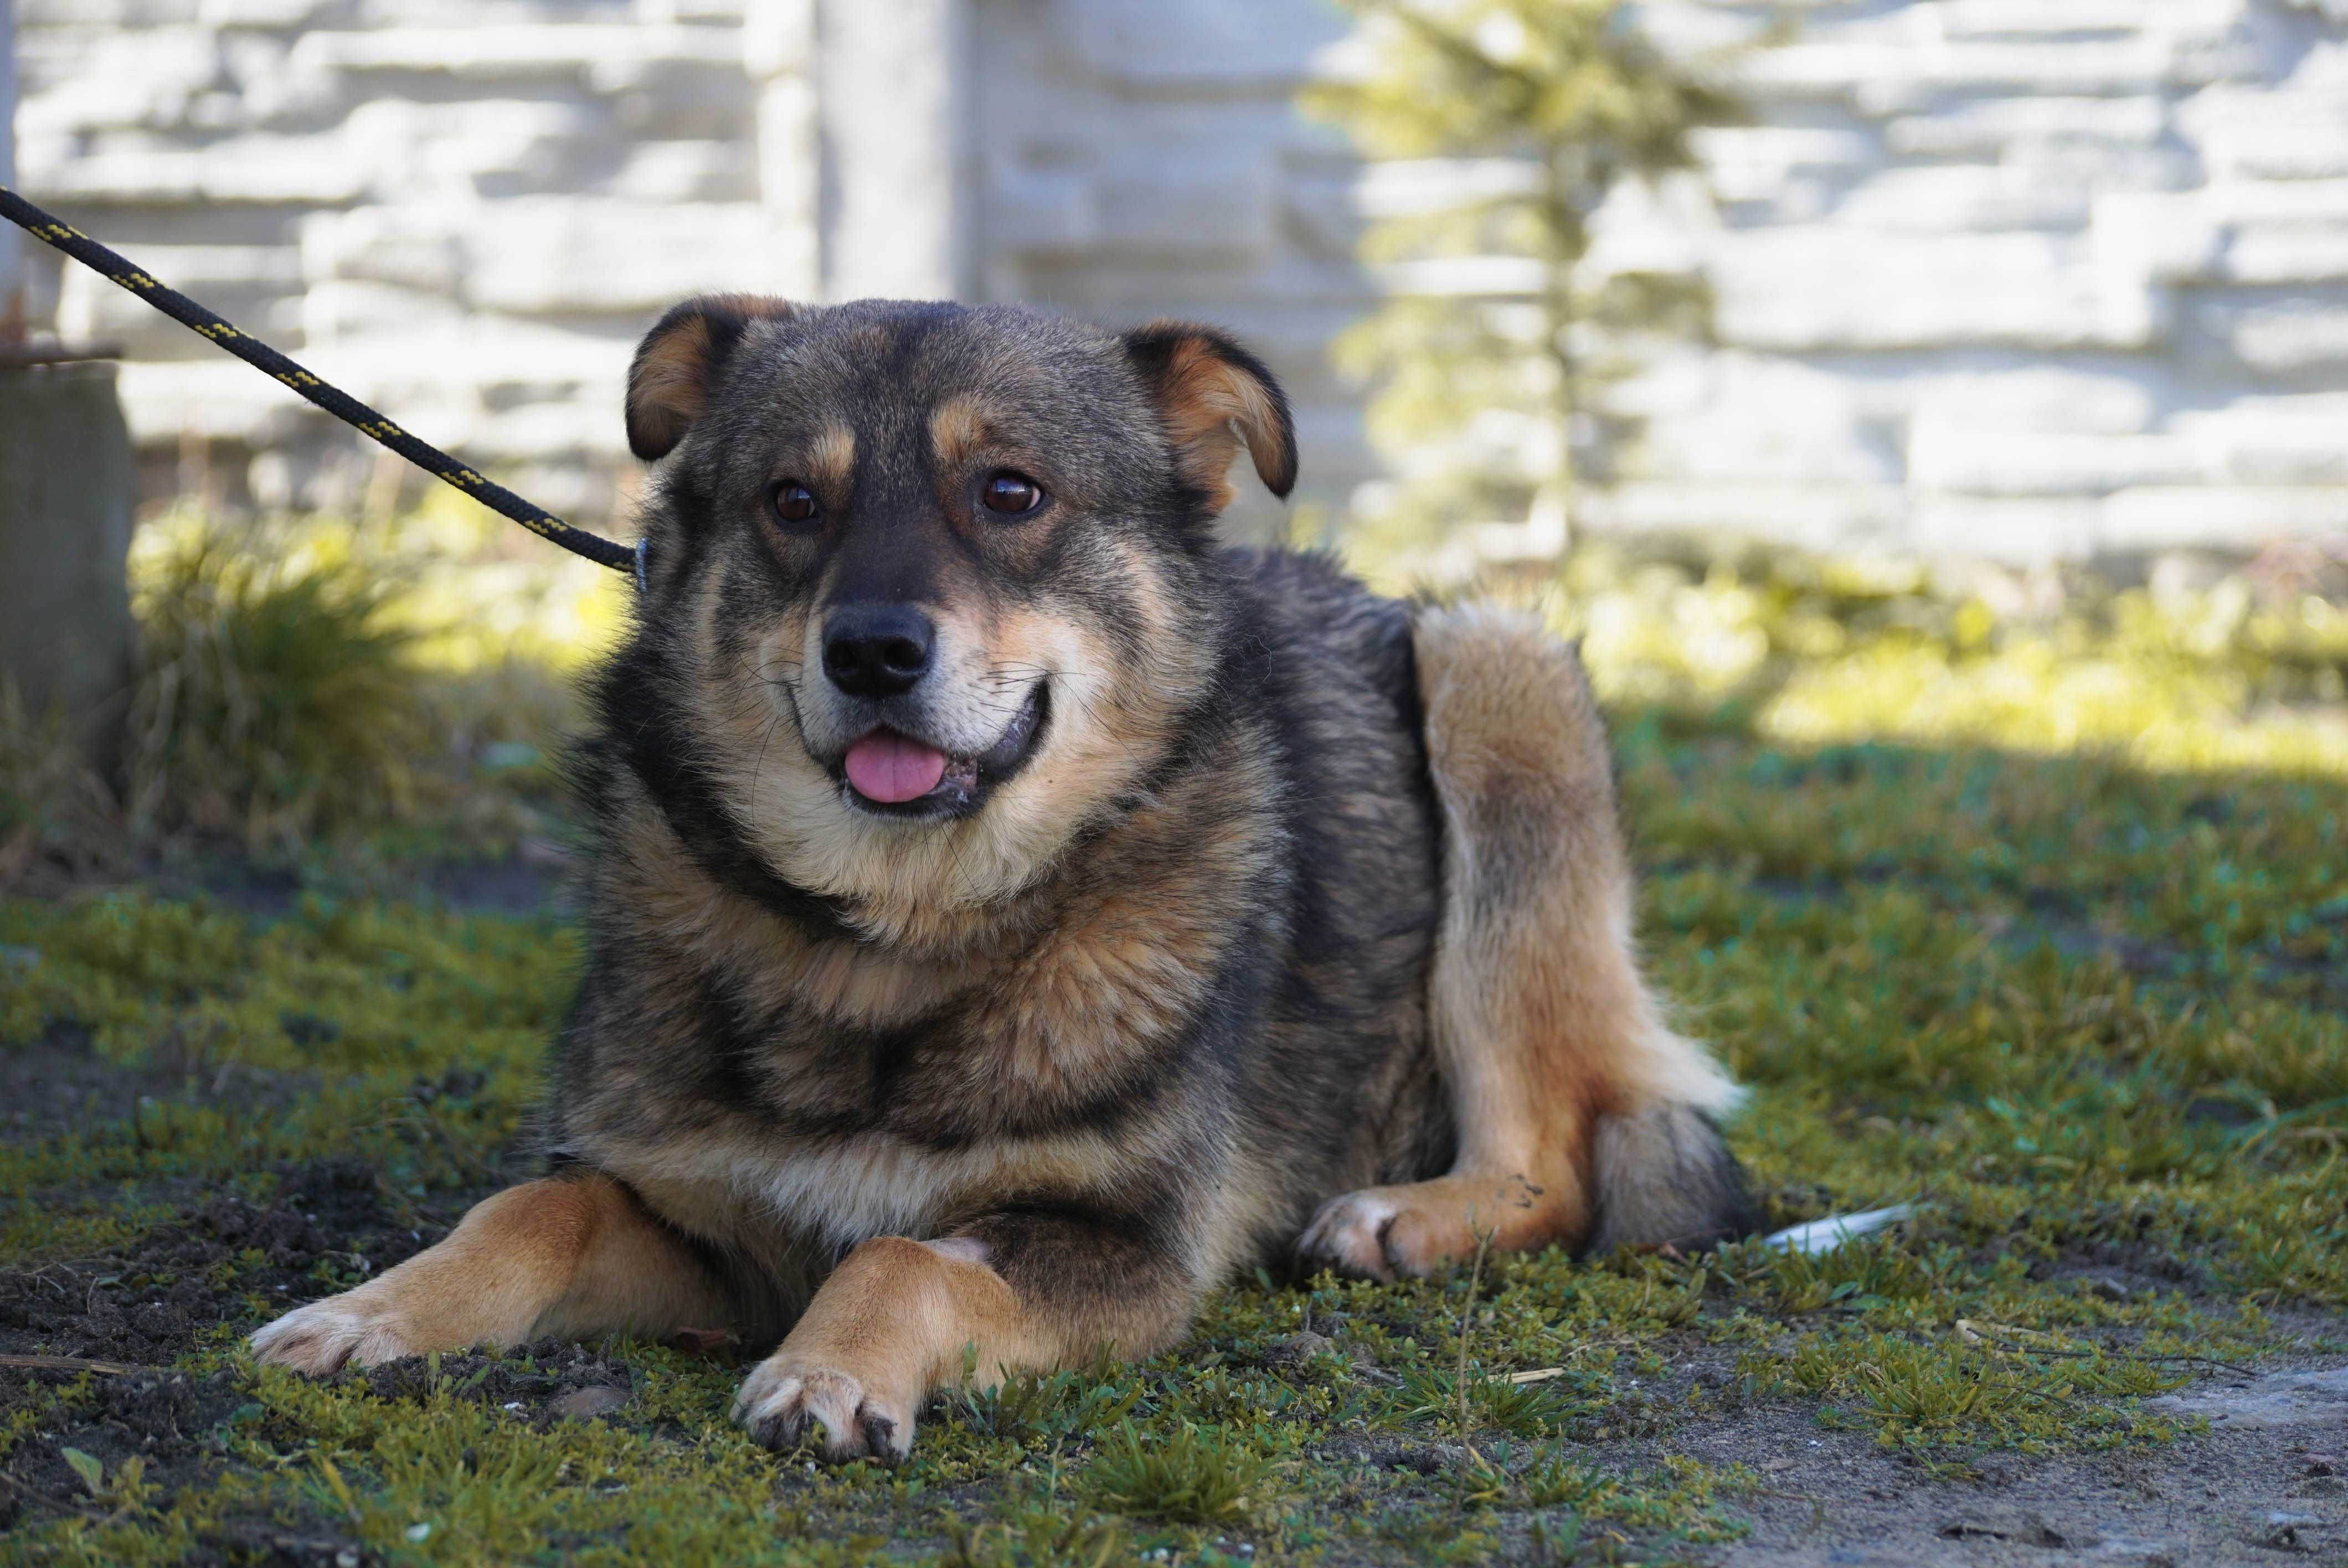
(573, 1257)
(1029, 1292)
(1581, 1115)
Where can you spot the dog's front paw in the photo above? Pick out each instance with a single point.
(351, 1328)
(788, 1395)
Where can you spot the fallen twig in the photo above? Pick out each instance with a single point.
(69, 1364)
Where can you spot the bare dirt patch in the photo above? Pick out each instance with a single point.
(2271, 1494)
(112, 1325)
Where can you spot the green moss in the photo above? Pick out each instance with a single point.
(408, 1040)
(1966, 1390)
(1682, 1496)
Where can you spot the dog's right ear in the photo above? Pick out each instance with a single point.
(679, 360)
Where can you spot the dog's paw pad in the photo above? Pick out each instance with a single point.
(326, 1336)
(1349, 1234)
(783, 1402)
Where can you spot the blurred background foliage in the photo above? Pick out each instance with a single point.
(1486, 400)
(2246, 670)
(308, 679)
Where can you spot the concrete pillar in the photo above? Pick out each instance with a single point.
(778, 55)
(68, 485)
(899, 166)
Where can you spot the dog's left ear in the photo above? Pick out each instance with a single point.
(1214, 394)
(677, 364)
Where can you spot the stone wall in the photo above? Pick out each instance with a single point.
(1150, 161)
(463, 212)
(466, 211)
(2028, 278)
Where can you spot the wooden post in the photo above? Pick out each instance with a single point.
(67, 486)
(68, 483)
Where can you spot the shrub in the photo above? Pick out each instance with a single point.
(274, 700)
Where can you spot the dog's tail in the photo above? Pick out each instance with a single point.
(1660, 1173)
(1665, 1179)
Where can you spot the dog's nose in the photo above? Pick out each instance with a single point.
(877, 649)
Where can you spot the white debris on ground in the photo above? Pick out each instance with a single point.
(1815, 1236)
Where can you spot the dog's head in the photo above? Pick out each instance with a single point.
(938, 576)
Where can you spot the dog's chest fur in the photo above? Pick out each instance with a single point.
(1064, 1041)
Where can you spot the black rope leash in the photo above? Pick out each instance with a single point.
(333, 399)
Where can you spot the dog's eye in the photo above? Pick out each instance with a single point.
(1010, 493)
(795, 503)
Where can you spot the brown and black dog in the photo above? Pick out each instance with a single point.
(1012, 915)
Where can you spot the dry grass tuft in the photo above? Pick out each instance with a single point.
(274, 702)
(304, 682)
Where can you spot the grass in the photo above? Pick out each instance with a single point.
(274, 705)
(2080, 1002)
(1201, 1476)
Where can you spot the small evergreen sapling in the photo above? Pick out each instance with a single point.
(1490, 372)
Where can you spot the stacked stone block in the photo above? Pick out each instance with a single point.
(462, 214)
(2034, 279)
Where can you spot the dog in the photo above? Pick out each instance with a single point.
(1012, 915)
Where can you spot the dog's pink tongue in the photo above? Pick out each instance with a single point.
(892, 769)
